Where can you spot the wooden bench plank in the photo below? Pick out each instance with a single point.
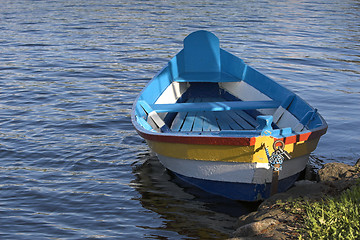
(199, 118)
(183, 121)
(178, 121)
(244, 124)
(214, 106)
(210, 123)
(206, 77)
(230, 121)
(223, 124)
(188, 122)
(247, 117)
(199, 122)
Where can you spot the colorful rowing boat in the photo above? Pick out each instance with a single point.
(213, 120)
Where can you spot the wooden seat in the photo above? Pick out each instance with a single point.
(214, 106)
(207, 114)
(212, 121)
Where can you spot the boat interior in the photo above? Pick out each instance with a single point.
(203, 107)
(206, 89)
(201, 119)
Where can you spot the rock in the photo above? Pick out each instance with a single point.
(357, 164)
(303, 183)
(308, 190)
(337, 171)
(247, 238)
(305, 189)
(255, 228)
(270, 221)
(273, 199)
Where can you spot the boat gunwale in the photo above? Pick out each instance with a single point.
(178, 137)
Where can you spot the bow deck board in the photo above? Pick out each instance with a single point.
(212, 121)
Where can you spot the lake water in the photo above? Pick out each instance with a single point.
(71, 164)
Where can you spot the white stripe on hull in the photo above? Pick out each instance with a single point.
(255, 173)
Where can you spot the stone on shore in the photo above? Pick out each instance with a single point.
(271, 222)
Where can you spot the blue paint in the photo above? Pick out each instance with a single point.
(157, 86)
(203, 65)
(265, 125)
(201, 53)
(308, 117)
(214, 106)
(239, 191)
(143, 123)
(201, 61)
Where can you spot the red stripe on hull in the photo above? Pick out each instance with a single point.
(234, 141)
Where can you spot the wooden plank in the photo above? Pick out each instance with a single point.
(154, 116)
(242, 122)
(188, 122)
(178, 121)
(199, 121)
(247, 117)
(210, 123)
(214, 106)
(222, 121)
(234, 125)
(189, 119)
(199, 118)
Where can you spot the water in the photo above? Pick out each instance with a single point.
(72, 166)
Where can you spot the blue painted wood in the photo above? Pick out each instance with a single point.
(308, 117)
(199, 118)
(235, 121)
(214, 106)
(199, 121)
(200, 60)
(233, 124)
(242, 123)
(247, 118)
(147, 108)
(286, 103)
(188, 122)
(265, 124)
(239, 191)
(155, 87)
(210, 123)
(178, 121)
(221, 120)
(143, 123)
(230, 123)
(206, 77)
(218, 65)
(201, 52)
(232, 65)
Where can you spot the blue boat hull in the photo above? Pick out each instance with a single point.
(236, 191)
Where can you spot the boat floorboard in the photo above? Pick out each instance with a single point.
(212, 121)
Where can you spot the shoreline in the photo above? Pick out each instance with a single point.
(272, 221)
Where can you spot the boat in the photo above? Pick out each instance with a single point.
(219, 124)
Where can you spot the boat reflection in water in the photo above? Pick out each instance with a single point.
(186, 210)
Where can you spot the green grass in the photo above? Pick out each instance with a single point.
(330, 218)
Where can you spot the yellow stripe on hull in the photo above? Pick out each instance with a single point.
(226, 153)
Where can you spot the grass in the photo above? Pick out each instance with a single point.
(330, 218)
